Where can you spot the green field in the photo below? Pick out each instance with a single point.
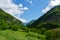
(19, 35)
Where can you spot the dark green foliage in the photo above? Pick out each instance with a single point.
(33, 30)
(3, 25)
(48, 25)
(42, 31)
(9, 22)
(48, 20)
(53, 34)
(30, 22)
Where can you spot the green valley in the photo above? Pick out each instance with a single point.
(47, 27)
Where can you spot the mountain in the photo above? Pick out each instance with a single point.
(31, 22)
(25, 23)
(51, 19)
(9, 22)
(28, 23)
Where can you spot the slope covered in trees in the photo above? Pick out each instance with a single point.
(9, 22)
(49, 20)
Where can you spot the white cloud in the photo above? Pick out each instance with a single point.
(46, 9)
(52, 4)
(23, 20)
(21, 5)
(25, 8)
(30, 1)
(11, 8)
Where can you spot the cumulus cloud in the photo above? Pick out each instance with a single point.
(13, 9)
(52, 4)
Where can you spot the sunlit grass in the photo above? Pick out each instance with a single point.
(19, 35)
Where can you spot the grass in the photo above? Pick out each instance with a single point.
(19, 35)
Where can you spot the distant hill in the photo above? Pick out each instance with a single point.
(9, 22)
(31, 22)
(51, 19)
(24, 23)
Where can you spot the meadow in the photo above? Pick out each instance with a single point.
(19, 35)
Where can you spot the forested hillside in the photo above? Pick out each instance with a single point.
(51, 19)
(9, 22)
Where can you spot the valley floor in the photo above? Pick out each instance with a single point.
(19, 35)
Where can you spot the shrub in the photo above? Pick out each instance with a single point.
(42, 30)
(53, 34)
(3, 25)
(14, 27)
(48, 25)
(35, 35)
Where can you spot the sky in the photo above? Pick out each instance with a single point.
(27, 10)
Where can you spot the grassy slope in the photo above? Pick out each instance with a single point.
(19, 35)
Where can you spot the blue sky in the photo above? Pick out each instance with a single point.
(27, 10)
(35, 9)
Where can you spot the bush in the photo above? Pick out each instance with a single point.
(14, 27)
(42, 31)
(48, 25)
(33, 30)
(3, 25)
(53, 34)
(35, 35)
